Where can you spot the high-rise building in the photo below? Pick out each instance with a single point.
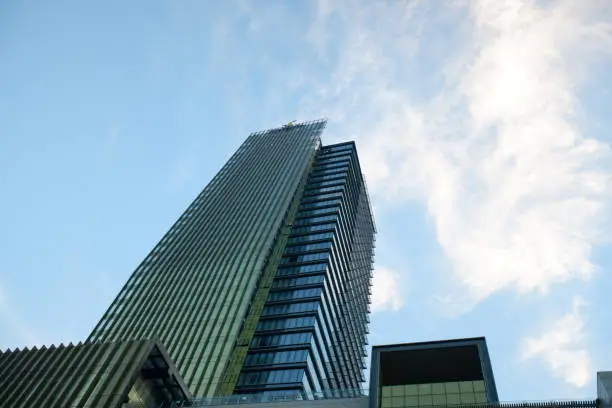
(262, 285)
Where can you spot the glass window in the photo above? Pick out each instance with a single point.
(452, 399)
(335, 181)
(306, 280)
(317, 256)
(317, 211)
(271, 377)
(290, 308)
(466, 386)
(317, 204)
(279, 357)
(438, 388)
(316, 192)
(279, 324)
(411, 401)
(425, 400)
(339, 148)
(328, 196)
(308, 247)
(295, 294)
(316, 220)
(311, 237)
(480, 397)
(336, 159)
(397, 390)
(313, 228)
(452, 388)
(468, 398)
(479, 386)
(295, 270)
(424, 389)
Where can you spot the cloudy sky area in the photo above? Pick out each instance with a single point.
(482, 126)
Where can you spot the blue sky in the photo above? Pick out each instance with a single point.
(482, 127)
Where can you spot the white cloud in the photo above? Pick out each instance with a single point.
(386, 293)
(487, 135)
(561, 347)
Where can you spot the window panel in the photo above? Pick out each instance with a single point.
(295, 294)
(292, 323)
(317, 204)
(271, 377)
(332, 181)
(308, 247)
(317, 256)
(305, 280)
(323, 196)
(315, 220)
(290, 308)
(313, 228)
(318, 191)
(317, 211)
(295, 270)
(337, 148)
(337, 159)
(311, 237)
(279, 357)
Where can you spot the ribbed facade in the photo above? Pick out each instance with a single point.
(195, 288)
(134, 374)
(311, 335)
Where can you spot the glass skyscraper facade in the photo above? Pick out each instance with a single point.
(262, 285)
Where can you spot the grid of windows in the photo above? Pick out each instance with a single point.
(281, 340)
(333, 234)
(317, 256)
(323, 197)
(323, 190)
(272, 310)
(327, 167)
(291, 323)
(296, 270)
(308, 247)
(313, 228)
(338, 159)
(316, 220)
(278, 357)
(318, 204)
(317, 211)
(329, 176)
(328, 157)
(311, 237)
(295, 294)
(338, 148)
(303, 281)
(333, 182)
(271, 377)
(329, 170)
(438, 394)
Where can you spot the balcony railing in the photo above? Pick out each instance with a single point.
(243, 399)
(240, 399)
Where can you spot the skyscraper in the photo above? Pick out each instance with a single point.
(262, 285)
